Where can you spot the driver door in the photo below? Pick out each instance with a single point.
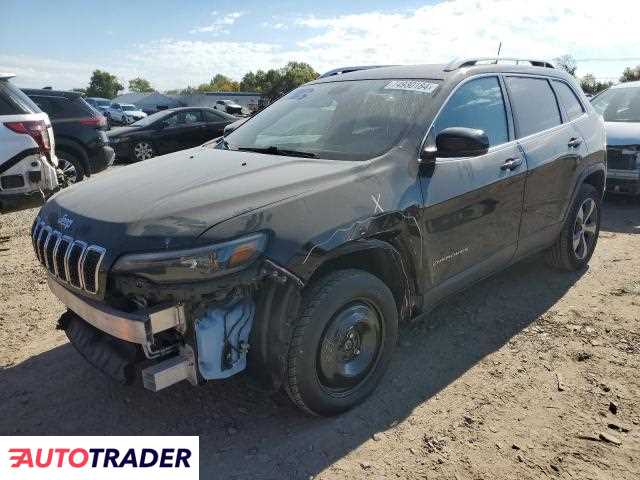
(472, 205)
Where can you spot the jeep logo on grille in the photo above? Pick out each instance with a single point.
(65, 222)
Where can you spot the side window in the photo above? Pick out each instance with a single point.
(477, 104)
(534, 104)
(192, 116)
(568, 99)
(171, 120)
(212, 117)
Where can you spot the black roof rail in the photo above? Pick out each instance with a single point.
(470, 62)
(341, 70)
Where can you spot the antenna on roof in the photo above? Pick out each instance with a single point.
(498, 55)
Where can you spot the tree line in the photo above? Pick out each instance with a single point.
(588, 82)
(271, 83)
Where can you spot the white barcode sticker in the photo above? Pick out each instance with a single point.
(421, 86)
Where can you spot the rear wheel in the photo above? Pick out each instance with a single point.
(579, 236)
(342, 343)
(71, 167)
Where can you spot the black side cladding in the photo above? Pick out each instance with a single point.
(112, 356)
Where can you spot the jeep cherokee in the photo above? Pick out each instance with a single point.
(294, 245)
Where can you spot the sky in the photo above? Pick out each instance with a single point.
(175, 43)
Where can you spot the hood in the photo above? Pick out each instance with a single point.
(169, 201)
(623, 133)
(135, 113)
(122, 131)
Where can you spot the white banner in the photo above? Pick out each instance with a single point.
(97, 458)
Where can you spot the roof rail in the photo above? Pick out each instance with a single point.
(341, 70)
(470, 62)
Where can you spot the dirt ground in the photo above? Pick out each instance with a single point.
(516, 378)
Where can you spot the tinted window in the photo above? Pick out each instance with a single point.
(568, 99)
(192, 116)
(619, 104)
(212, 117)
(477, 104)
(13, 101)
(534, 104)
(62, 107)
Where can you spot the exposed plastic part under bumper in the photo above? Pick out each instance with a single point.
(132, 327)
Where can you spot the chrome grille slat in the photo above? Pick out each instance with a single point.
(71, 261)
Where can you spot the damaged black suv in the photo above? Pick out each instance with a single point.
(292, 247)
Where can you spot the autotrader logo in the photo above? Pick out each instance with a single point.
(69, 458)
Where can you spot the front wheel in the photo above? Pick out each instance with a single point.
(579, 236)
(143, 151)
(342, 342)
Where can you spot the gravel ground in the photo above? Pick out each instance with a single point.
(517, 378)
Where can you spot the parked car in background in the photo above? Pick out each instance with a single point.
(620, 108)
(294, 245)
(28, 163)
(228, 106)
(81, 141)
(168, 131)
(100, 104)
(124, 113)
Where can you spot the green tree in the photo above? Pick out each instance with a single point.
(566, 63)
(140, 85)
(630, 74)
(592, 86)
(274, 83)
(103, 84)
(219, 83)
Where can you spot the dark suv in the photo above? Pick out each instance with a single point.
(81, 141)
(293, 246)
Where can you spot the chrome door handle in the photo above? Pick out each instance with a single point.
(574, 142)
(511, 164)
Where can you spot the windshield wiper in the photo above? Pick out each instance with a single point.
(273, 150)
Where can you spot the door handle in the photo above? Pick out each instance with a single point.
(574, 142)
(511, 164)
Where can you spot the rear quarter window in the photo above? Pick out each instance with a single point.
(534, 105)
(568, 100)
(15, 102)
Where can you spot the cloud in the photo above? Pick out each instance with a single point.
(218, 26)
(429, 34)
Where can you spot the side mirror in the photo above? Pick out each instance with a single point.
(461, 142)
(455, 142)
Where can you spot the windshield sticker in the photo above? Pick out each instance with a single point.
(421, 86)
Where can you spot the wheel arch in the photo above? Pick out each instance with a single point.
(385, 259)
(69, 145)
(594, 175)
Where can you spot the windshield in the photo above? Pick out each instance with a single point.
(129, 108)
(619, 104)
(154, 117)
(352, 120)
(103, 103)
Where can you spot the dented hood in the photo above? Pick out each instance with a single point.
(169, 201)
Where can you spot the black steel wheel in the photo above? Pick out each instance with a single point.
(342, 342)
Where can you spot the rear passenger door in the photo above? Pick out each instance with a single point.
(552, 150)
(473, 205)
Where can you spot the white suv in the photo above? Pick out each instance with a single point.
(124, 113)
(28, 164)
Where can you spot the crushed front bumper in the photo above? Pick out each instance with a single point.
(132, 327)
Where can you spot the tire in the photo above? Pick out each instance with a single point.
(342, 342)
(71, 167)
(571, 254)
(142, 150)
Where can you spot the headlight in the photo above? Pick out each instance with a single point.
(195, 264)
